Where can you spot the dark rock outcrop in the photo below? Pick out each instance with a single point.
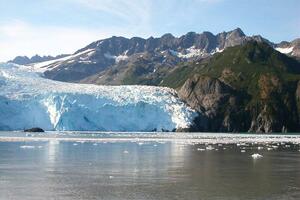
(223, 109)
(219, 106)
(36, 129)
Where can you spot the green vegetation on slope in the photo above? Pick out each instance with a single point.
(262, 79)
(239, 66)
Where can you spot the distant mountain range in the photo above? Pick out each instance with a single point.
(236, 83)
(116, 60)
(24, 60)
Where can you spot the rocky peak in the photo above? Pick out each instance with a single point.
(187, 40)
(237, 33)
(296, 41)
(167, 36)
(24, 60)
(21, 60)
(235, 37)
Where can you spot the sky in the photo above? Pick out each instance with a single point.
(52, 27)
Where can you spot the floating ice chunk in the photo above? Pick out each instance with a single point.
(200, 149)
(27, 147)
(243, 151)
(256, 156)
(209, 147)
(125, 152)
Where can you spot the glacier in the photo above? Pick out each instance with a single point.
(28, 100)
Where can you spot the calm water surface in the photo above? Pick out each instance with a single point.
(38, 169)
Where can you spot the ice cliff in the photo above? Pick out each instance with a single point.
(29, 100)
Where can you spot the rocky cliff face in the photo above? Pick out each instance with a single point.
(219, 103)
(250, 88)
(228, 110)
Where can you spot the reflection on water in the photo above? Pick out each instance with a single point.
(53, 148)
(147, 170)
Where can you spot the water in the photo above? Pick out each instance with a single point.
(139, 166)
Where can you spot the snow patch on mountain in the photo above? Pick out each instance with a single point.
(286, 50)
(217, 50)
(28, 100)
(193, 52)
(116, 58)
(48, 65)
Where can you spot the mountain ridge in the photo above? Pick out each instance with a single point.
(97, 61)
(24, 60)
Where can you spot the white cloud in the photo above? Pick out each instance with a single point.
(21, 38)
(136, 14)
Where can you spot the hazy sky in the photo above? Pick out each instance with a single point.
(28, 27)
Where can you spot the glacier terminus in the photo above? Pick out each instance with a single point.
(27, 99)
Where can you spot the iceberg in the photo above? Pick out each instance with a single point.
(27, 99)
(256, 156)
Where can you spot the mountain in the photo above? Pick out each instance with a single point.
(28, 100)
(118, 60)
(290, 48)
(24, 60)
(246, 88)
